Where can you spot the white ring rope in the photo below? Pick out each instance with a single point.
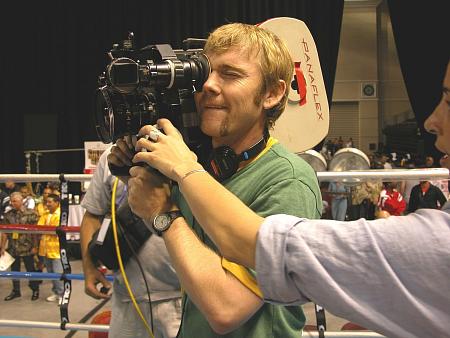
(323, 176)
(52, 325)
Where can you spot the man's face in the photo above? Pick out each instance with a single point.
(230, 105)
(24, 192)
(52, 205)
(45, 193)
(16, 202)
(439, 121)
(9, 184)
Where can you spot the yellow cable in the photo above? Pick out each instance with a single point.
(119, 258)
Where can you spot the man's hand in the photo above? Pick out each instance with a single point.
(2, 251)
(168, 153)
(122, 153)
(148, 193)
(92, 277)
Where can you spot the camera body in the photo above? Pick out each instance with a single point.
(140, 86)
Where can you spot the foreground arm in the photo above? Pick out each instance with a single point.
(224, 301)
(389, 275)
(89, 225)
(233, 227)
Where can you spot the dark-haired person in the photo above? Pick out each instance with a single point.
(426, 196)
(49, 246)
(390, 275)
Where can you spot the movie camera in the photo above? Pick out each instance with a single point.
(140, 86)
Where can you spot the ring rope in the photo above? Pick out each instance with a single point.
(37, 229)
(45, 275)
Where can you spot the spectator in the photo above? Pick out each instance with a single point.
(349, 143)
(426, 196)
(407, 185)
(326, 200)
(391, 200)
(41, 208)
(364, 198)
(54, 186)
(340, 143)
(442, 184)
(339, 193)
(429, 162)
(385, 161)
(4, 201)
(445, 163)
(9, 188)
(20, 246)
(28, 200)
(49, 246)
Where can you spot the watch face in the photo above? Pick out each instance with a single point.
(161, 222)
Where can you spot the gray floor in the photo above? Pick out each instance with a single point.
(80, 304)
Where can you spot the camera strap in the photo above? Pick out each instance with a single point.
(63, 219)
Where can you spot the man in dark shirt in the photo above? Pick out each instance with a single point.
(426, 196)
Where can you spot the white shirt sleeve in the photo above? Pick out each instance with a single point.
(390, 275)
(98, 196)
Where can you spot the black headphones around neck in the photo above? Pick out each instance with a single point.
(223, 162)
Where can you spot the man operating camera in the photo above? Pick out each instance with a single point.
(245, 93)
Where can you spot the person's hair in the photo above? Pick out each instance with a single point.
(273, 58)
(54, 197)
(53, 185)
(16, 194)
(390, 185)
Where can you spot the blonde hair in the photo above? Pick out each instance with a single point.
(273, 57)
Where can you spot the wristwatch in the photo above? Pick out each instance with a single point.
(163, 221)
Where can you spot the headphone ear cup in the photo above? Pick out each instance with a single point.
(222, 163)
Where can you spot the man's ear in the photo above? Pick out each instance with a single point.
(274, 95)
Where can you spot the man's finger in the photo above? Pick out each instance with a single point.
(146, 144)
(145, 130)
(168, 127)
(119, 158)
(125, 146)
(137, 171)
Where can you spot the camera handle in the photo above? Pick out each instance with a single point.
(125, 170)
(119, 170)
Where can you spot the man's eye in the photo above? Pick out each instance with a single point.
(231, 74)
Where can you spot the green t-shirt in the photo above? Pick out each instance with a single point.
(278, 182)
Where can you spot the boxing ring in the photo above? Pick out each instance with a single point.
(349, 177)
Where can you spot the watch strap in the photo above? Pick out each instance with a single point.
(173, 215)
